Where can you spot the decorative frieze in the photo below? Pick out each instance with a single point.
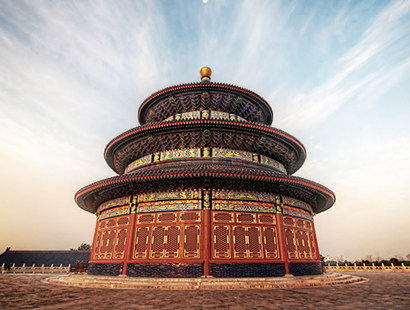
(292, 211)
(296, 203)
(114, 203)
(243, 206)
(114, 212)
(170, 195)
(206, 152)
(205, 114)
(242, 195)
(170, 205)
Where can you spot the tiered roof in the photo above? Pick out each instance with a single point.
(203, 117)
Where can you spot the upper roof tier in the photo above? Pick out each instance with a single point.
(205, 95)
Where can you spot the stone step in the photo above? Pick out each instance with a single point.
(123, 282)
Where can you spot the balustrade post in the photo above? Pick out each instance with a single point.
(24, 268)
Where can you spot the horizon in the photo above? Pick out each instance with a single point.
(336, 75)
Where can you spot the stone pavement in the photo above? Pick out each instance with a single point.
(382, 291)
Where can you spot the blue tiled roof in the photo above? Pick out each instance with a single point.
(44, 257)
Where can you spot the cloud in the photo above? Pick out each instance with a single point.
(359, 69)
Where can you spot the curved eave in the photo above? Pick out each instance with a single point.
(164, 93)
(129, 135)
(86, 197)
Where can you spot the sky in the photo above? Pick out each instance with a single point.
(336, 74)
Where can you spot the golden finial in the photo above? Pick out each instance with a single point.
(205, 73)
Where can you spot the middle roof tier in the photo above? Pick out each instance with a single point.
(205, 133)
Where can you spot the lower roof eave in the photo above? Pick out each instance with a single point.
(91, 196)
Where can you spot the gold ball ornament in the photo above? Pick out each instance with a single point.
(205, 73)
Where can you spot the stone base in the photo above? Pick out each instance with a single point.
(204, 283)
(195, 270)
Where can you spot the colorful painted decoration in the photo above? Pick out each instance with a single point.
(205, 152)
(296, 203)
(296, 212)
(243, 206)
(173, 205)
(171, 195)
(114, 203)
(242, 195)
(272, 163)
(114, 212)
(139, 162)
(226, 153)
(184, 153)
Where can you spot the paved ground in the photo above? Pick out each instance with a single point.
(383, 291)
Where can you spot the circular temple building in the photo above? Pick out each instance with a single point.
(205, 187)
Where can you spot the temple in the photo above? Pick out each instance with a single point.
(205, 187)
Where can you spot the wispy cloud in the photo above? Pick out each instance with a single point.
(359, 69)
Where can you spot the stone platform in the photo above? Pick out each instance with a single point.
(123, 282)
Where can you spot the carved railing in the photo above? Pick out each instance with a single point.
(370, 268)
(35, 269)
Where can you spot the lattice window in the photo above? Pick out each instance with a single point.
(111, 223)
(123, 220)
(239, 242)
(110, 246)
(312, 245)
(266, 219)
(299, 223)
(308, 252)
(290, 244)
(190, 217)
(172, 242)
(245, 218)
(167, 217)
(145, 218)
(191, 241)
(254, 242)
(120, 243)
(270, 240)
(157, 243)
(247, 242)
(300, 244)
(222, 217)
(221, 242)
(104, 242)
(288, 221)
(141, 243)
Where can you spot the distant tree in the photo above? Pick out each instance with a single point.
(83, 247)
(322, 258)
(394, 261)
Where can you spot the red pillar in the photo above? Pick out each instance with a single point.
(282, 240)
(207, 230)
(130, 237)
(207, 240)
